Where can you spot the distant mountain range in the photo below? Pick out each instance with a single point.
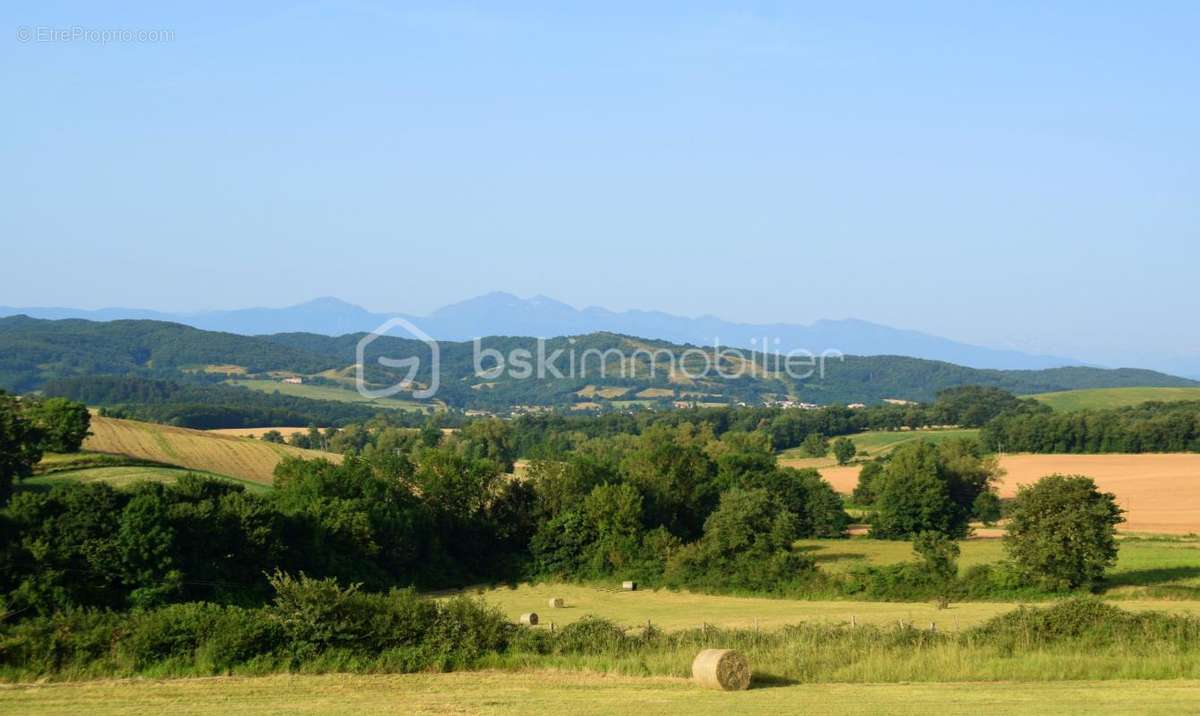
(503, 314)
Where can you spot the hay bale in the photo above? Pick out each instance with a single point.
(722, 669)
(556, 603)
(530, 619)
(629, 586)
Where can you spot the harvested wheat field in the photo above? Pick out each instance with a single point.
(253, 460)
(1159, 492)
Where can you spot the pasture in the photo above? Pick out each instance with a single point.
(1160, 492)
(252, 460)
(874, 443)
(1101, 398)
(579, 694)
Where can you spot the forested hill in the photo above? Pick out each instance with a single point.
(34, 351)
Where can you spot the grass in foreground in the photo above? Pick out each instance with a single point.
(502, 692)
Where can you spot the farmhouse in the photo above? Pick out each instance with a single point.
(293, 379)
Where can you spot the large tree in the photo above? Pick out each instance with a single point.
(64, 423)
(1062, 531)
(927, 487)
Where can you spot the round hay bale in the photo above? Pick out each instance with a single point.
(556, 602)
(722, 669)
(629, 586)
(530, 619)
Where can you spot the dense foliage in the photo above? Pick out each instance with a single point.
(1149, 427)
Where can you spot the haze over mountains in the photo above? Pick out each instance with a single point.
(500, 313)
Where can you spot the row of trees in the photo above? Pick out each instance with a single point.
(1149, 427)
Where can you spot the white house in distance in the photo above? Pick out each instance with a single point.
(293, 379)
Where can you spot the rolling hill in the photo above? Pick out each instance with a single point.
(243, 458)
(33, 352)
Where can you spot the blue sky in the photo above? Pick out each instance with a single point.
(1023, 175)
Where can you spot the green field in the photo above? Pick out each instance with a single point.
(328, 392)
(1150, 574)
(1101, 398)
(124, 476)
(875, 443)
(579, 694)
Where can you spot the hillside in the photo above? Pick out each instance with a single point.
(243, 458)
(1103, 398)
(33, 352)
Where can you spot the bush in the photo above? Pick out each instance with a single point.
(1086, 620)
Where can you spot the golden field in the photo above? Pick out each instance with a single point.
(1160, 492)
(253, 460)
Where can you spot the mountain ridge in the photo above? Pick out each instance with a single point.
(503, 313)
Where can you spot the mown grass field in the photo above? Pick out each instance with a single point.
(580, 694)
(1145, 569)
(1099, 398)
(243, 458)
(328, 392)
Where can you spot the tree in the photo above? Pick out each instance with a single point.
(64, 423)
(986, 508)
(927, 487)
(868, 483)
(815, 445)
(817, 506)
(676, 476)
(20, 445)
(614, 514)
(747, 544)
(273, 436)
(844, 450)
(1062, 532)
